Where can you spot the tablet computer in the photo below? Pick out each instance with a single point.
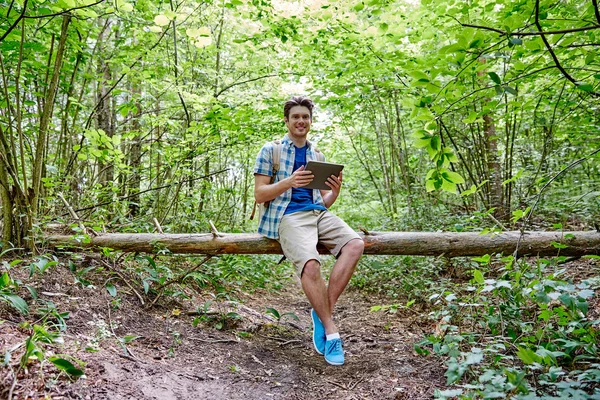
(322, 171)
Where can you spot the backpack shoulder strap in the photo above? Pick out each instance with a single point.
(276, 156)
(320, 156)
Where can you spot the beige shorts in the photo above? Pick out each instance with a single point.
(300, 232)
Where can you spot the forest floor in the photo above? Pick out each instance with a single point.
(178, 355)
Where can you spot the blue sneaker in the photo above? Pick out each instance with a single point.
(334, 354)
(319, 336)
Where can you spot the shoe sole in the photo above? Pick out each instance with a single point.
(333, 363)
(313, 335)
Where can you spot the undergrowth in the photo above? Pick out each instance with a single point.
(522, 332)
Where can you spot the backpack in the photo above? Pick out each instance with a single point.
(262, 207)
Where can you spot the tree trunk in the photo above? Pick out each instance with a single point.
(40, 149)
(6, 202)
(493, 168)
(452, 244)
(135, 155)
(105, 123)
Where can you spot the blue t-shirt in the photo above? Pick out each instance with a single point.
(302, 199)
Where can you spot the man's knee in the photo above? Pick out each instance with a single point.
(354, 248)
(312, 270)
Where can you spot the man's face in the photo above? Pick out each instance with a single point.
(299, 121)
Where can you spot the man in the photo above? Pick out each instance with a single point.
(298, 218)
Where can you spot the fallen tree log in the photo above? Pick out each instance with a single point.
(449, 244)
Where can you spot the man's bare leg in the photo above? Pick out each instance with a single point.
(317, 294)
(342, 271)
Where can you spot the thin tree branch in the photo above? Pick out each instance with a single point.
(243, 82)
(150, 190)
(551, 51)
(10, 8)
(13, 26)
(580, 45)
(62, 12)
(539, 33)
(596, 11)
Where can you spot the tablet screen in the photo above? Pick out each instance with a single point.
(322, 171)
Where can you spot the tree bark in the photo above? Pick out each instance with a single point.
(47, 116)
(449, 244)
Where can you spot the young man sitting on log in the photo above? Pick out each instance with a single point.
(298, 218)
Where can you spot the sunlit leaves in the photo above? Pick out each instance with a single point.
(194, 33)
(201, 36)
(161, 20)
(443, 179)
(203, 42)
(126, 7)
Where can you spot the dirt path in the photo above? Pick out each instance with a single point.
(251, 358)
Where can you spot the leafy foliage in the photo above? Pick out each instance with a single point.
(523, 334)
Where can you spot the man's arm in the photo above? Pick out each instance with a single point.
(330, 196)
(266, 191)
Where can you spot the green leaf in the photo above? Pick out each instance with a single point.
(435, 143)
(430, 185)
(478, 276)
(586, 87)
(454, 372)
(359, 6)
(422, 138)
(528, 356)
(449, 393)
(474, 357)
(453, 177)
(274, 312)
(510, 90)
(471, 118)
(66, 366)
(5, 280)
(559, 245)
(590, 58)
(418, 75)
(516, 40)
(161, 20)
(146, 286)
(469, 191)
(485, 259)
(126, 7)
(495, 77)
(291, 315)
(514, 178)
(112, 290)
(448, 186)
(17, 302)
(128, 338)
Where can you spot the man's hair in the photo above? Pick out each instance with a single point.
(298, 101)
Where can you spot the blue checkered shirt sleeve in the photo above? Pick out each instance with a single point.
(264, 161)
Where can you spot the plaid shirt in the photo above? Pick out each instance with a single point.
(269, 223)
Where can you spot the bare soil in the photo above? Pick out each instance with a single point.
(179, 355)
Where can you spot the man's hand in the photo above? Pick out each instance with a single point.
(300, 177)
(330, 196)
(335, 183)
